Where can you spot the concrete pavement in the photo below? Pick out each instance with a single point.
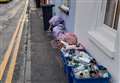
(44, 66)
(36, 62)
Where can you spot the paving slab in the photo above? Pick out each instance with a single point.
(44, 66)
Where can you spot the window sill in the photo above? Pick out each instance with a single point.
(64, 9)
(104, 42)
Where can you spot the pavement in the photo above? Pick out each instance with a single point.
(37, 61)
(44, 66)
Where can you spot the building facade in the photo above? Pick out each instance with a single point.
(97, 26)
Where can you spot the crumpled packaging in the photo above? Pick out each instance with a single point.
(55, 20)
(70, 38)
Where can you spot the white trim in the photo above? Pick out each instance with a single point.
(102, 35)
(116, 4)
(102, 42)
(110, 32)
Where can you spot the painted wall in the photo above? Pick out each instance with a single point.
(83, 17)
(69, 19)
(86, 19)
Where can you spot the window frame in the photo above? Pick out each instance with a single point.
(108, 36)
(114, 17)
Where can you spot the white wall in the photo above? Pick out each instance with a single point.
(86, 19)
(69, 19)
(118, 50)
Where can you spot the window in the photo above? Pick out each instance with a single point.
(104, 35)
(112, 13)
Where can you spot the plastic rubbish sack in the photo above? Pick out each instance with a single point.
(70, 38)
(55, 20)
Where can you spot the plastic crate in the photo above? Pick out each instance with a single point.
(63, 61)
(69, 74)
(67, 69)
(71, 77)
(91, 80)
(63, 58)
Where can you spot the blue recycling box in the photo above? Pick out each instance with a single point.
(72, 79)
(91, 80)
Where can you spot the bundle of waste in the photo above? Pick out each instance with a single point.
(68, 37)
(58, 31)
(84, 65)
(88, 71)
(55, 21)
(57, 27)
(67, 47)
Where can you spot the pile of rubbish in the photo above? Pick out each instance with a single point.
(74, 54)
(57, 28)
(83, 64)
